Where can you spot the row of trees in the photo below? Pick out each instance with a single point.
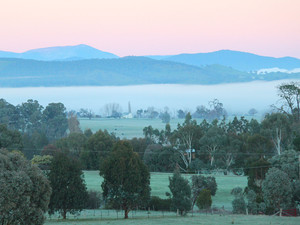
(273, 184)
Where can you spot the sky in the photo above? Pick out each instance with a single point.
(153, 27)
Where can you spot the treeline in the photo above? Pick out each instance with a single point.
(29, 126)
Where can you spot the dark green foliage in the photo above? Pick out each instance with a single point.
(296, 143)
(252, 205)
(55, 121)
(97, 148)
(165, 117)
(238, 204)
(180, 193)
(31, 116)
(9, 115)
(24, 193)
(126, 182)
(75, 143)
(69, 194)
(256, 171)
(277, 127)
(200, 183)
(139, 145)
(10, 139)
(204, 199)
(159, 204)
(161, 159)
(287, 162)
(296, 191)
(94, 200)
(277, 190)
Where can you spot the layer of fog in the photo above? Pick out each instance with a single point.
(237, 98)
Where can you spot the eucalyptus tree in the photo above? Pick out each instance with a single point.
(126, 182)
(25, 191)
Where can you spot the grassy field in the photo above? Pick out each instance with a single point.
(125, 128)
(159, 186)
(129, 128)
(199, 219)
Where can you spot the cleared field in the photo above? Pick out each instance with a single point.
(125, 128)
(176, 220)
(130, 128)
(159, 186)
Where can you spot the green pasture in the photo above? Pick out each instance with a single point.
(159, 185)
(130, 128)
(125, 128)
(170, 218)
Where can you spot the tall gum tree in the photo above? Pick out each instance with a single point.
(126, 182)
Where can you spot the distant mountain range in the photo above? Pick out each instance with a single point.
(120, 71)
(239, 60)
(61, 53)
(84, 65)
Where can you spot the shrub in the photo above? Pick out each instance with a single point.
(238, 204)
(181, 193)
(204, 199)
(159, 204)
(94, 200)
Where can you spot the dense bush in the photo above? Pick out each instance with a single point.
(159, 204)
(204, 199)
(238, 204)
(180, 193)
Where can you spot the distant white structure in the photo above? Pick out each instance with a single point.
(129, 114)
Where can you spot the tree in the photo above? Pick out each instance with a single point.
(86, 113)
(31, 116)
(10, 139)
(112, 110)
(75, 143)
(238, 204)
(165, 117)
(289, 94)
(200, 183)
(73, 124)
(180, 193)
(213, 141)
(186, 140)
(97, 148)
(69, 194)
(25, 191)
(277, 126)
(252, 111)
(9, 115)
(204, 199)
(55, 121)
(126, 178)
(181, 114)
(277, 189)
(288, 163)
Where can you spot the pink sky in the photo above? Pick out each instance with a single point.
(147, 27)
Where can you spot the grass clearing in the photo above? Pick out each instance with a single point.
(159, 185)
(199, 219)
(125, 128)
(130, 128)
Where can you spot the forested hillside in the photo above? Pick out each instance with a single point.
(121, 71)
